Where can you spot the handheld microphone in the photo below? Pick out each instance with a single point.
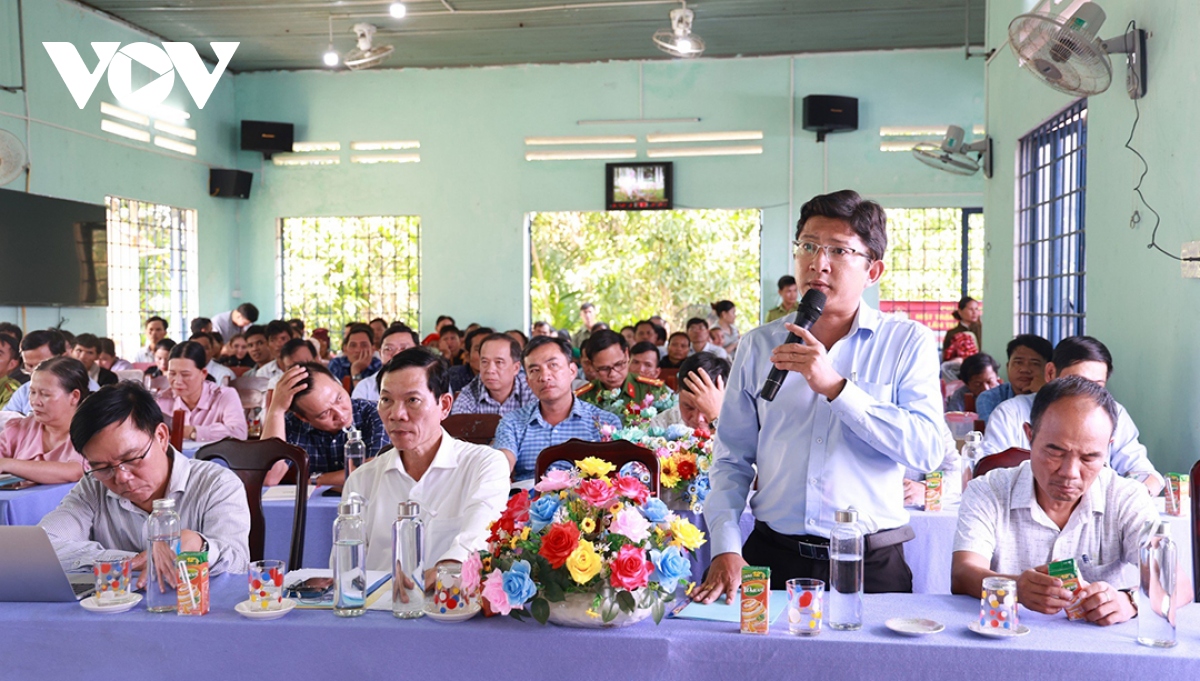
(807, 314)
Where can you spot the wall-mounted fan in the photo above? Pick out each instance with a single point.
(679, 41)
(364, 56)
(953, 156)
(1064, 52)
(13, 160)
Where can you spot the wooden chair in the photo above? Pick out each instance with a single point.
(251, 461)
(670, 377)
(238, 371)
(1009, 458)
(177, 420)
(981, 426)
(251, 390)
(969, 403)
(348, 384)
(479, 429)
(1194, 484)
(617, 452)
(142, 366)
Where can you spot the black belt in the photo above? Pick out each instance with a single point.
(813, 547)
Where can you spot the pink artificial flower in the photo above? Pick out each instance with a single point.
(631, 488)
(630, 569)
(493, 591)
(554, 481)
(472, 568)
(632, 524)
(597, 492)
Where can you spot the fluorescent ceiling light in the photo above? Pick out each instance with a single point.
(582, 139)
(391, 145)
(163, 112)
(622, 121)
(914, 131)
(124, 130)
(386, 158)
(290, 160)
(316, 146)
(176, 130)
(726, 136)
(173, 145)
(580, 155)
(747, 150)
(124, 114)
(897, 146)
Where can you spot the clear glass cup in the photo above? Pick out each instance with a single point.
(448, 597)
(998, 604)
(112, 581)
(805, 606)
(266, 584)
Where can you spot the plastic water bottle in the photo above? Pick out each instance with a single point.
(1156, 596)
(162, 548)
(355, 450)
(846, 572)
(970, 452)
(349, 559)
(408, 562)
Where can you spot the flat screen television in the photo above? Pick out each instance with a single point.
(638, 186)
(53, 252)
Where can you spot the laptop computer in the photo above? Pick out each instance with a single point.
(30, 571)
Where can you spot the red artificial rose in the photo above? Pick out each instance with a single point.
(631, 488)
(558, 543)
(630, 569)
(518, 508)
(597, 492)
(685, 469)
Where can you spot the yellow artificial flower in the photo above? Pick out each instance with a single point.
(591, 467)
(592, 613)
(487, 564)
(686, 534)
(668, 466)
(584, 563)
(615, 508)
(588, 525)
(690, 587)
(668, 480)
(525, 533)
(702, 463)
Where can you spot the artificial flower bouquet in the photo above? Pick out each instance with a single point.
(583, 532)
(684, 456)
(632, 412)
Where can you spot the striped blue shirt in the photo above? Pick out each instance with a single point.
(475, 398)
(525, 433)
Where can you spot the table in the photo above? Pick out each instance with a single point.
(315, 644)
(27, 506)
(318, 529)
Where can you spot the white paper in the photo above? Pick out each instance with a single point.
(283, 493)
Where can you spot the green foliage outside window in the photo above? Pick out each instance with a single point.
(924, 256)
(633, 265)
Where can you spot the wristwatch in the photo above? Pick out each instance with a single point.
(1132, 600)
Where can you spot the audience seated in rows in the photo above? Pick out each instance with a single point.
(450, 344)
(1027, 357)
(295, 351)
(220, 373)
(396, 339)
(679, 346)
(1089, 358)
(162, 353)
(37, 347)
(978, 374)
(236, 353)
(156, 330)
(724, 315)
(38, 447)
(968, 315)
(501, 386)
(130, 463)
(358, 358)
(87, 351)
(615, 386)
(701, 341)
(643, 360)
(466, 372)
(211, 412)
(10, 362)
(108, 357)
(460, 487)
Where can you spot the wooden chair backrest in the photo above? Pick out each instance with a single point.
(479, 429)
(1009, 458)
(670, 377)
(617, 452)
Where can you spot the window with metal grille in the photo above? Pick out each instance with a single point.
(1051, 265)
(151, 270)
(333, 270)
(934, 257)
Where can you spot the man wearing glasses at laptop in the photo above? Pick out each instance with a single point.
(129, 464)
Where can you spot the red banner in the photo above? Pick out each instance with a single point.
(934, 314)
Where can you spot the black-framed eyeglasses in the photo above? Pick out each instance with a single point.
(613, 369)
(129, 466)
(810, 249)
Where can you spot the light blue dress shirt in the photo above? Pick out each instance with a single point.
(1126, 455)
(814, 456)
(20, 399)
(525, 433)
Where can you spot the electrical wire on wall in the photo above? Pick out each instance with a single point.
(1136, 218)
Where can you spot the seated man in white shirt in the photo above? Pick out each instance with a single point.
(396, 339)
(130, 463)
(1075, 356)
(1062, 503)
(461, 487)
(156, 330)
(277, 333)
(697, 332)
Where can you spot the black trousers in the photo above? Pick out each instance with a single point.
(884, 569)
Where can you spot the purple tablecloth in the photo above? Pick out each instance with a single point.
(27, 506)
(318, 529)
(316, 644)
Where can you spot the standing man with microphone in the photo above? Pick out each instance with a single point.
(859, 403)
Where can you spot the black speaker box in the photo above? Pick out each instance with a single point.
(267, 137)
(229, 184)
(829, 113)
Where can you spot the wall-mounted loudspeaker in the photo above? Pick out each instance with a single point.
(824, 114)
(229, 184)
(267, 137)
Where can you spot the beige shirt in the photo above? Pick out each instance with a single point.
(1000, 519)
(464, 490)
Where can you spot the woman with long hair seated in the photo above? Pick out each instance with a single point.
(38, 447)
(211, 412)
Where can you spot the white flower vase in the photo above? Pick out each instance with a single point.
(573, 612)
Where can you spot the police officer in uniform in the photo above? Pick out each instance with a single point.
(609, 355)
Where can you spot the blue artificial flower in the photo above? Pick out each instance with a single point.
(669, 567)
(518, 587)
(630, 434)
(541, 511)
(678, 431)
(655, 510)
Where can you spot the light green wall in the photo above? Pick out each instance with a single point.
(73, 159)
(1137, 303)
(473, 187)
